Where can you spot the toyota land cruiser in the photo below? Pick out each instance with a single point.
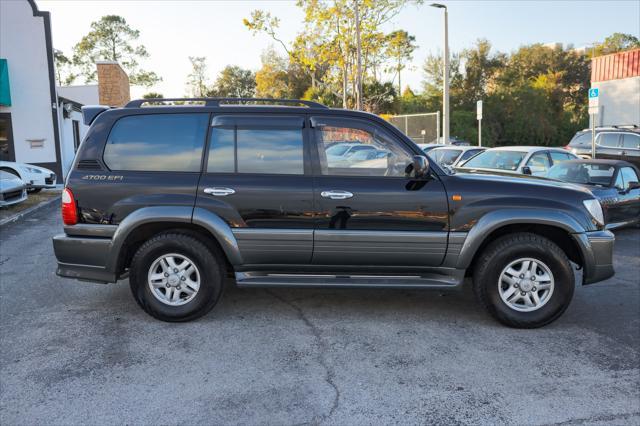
(178, 197)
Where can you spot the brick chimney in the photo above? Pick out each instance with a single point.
(113, 84)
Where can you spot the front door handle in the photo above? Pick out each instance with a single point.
(219, 192)
(336, 194)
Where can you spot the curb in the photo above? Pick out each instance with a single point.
(28, 211)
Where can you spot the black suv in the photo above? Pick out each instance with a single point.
(612, 143)
(176, 198)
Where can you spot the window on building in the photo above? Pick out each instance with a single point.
(160, 142)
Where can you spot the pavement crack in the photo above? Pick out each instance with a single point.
(329, 377)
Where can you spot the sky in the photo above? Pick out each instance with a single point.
(173, 30)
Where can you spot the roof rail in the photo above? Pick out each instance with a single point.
(137, 103)
(625, 126)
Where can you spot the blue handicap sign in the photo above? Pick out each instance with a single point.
(593, 93)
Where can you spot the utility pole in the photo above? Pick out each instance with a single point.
(445, 75)
(359, 100)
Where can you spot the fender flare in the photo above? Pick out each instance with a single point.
(217, 227)
(499, 218)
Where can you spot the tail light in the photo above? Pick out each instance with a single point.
(69, 208)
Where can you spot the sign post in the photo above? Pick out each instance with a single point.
(594, 105)
(479, 116)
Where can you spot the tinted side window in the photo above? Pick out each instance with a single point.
(581, 139)
(631, 141)
(628, 175)
(539, 164)
(559, 157)
(359, 150)
(159, 142)
(469, 153)
(254, 150)
(608, 139)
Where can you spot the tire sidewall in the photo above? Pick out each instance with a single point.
(210, 279)
(564, 284)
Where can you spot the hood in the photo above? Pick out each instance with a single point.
(516, 178)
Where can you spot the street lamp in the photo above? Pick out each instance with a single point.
(445, 75)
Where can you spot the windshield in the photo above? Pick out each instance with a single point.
(499, 160)
(337, 149)
(583, 173)
(446, 157)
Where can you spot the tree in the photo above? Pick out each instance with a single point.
(197, 79)
(152, 95)
(616, 42)
(112, 39)
(400, 47)
(280, 78)
(63, 65)
(326, 47)
(234, 82)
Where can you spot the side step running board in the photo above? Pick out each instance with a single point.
(430, 281)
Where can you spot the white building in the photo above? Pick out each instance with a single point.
(40, 123)
(29, 130)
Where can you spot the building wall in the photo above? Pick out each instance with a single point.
(619, 101)
(23, 43)
(66, 130)
(86, 94)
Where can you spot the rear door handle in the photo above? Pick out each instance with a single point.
(219, 192)
(336, 194)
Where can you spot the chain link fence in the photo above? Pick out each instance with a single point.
(421, 128)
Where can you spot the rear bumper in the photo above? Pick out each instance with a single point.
(597, 253)
(83, 258)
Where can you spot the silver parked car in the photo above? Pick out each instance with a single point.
(526, 160)
(452, 155)
(13, 190)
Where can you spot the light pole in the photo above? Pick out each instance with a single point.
(445, 75)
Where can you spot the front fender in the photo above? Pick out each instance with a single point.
(503, 217)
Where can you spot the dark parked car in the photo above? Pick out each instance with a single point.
(615, 183)
(177, 197)
(612, 143)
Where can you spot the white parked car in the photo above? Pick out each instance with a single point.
(35, 177)
(526, 160)
(452, 155)
(12, 189)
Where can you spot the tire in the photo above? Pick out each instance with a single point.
(210, 273)
(492, 280)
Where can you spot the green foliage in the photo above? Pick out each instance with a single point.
(616, 42)
(234, 82)
(152, 95)
(112, 39)
(65, 74)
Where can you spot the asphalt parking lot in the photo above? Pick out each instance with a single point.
(79, 353)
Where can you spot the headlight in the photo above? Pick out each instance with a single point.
(32, 170)
(595, 210)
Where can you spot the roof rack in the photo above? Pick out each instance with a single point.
(137, 103)
(625, 126)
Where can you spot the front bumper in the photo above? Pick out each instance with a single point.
(83, 258)
(597, 255)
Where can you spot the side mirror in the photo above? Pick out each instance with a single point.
(420, 166)
(526, 170)
(633, 185)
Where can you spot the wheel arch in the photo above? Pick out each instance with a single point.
(142, 224)
(557, 226)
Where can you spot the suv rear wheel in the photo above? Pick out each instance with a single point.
(174, 277)
(524, 280)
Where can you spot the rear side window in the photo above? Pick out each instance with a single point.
(559, 157)
(539, 164)
(242, 147)
(631, 141)
(159, 142)
(608, 139)
(581, 139)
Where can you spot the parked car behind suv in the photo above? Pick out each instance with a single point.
(612, 143)
(177, 197)
(527, 160)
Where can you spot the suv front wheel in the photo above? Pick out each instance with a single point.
(175, 277)
(524, 280)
